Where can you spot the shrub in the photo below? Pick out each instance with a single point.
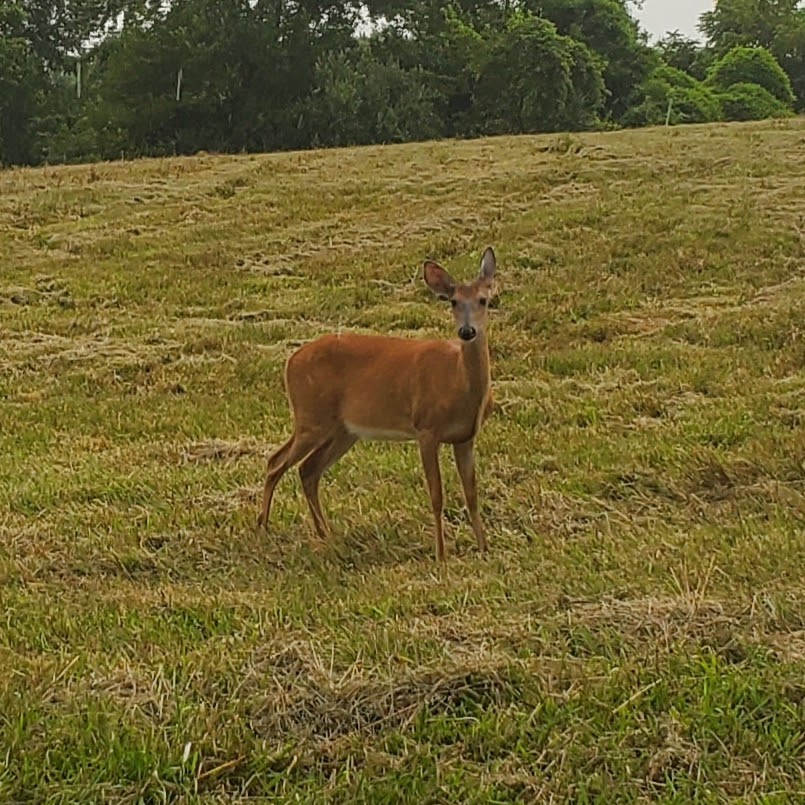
(674, 77)
(697, 105)
(751, 102)
(752, 65)
(692, 101)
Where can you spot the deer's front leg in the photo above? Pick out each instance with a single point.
(429, 452)
(465, 461)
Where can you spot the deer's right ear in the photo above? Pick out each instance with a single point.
(488, 266)
(438, 280)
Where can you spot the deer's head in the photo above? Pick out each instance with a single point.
(469, 302)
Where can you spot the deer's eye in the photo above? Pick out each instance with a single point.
(453, 303)
(483, 302)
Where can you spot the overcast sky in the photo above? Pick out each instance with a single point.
(661, 16)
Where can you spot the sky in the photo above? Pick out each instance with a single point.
(660, 16)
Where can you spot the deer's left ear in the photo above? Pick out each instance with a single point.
(488, 266)
(438, 280)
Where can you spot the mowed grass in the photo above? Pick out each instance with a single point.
(638, 630)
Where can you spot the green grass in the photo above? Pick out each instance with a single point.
(638, 630)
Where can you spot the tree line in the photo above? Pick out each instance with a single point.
(104, 79)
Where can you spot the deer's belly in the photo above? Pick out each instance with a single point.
(370, 433)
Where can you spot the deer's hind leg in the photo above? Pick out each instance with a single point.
(300, 445)
(312, 469)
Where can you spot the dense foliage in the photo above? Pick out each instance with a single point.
(673, 95)
(746, 101)
(777, 25)
(101, 79)
(745, 65)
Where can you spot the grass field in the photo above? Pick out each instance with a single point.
(637, 631)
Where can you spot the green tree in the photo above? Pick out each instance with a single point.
(752, 65)
(445, 43)
(23, 82)
(534, 79)
(608, 29)
(246, 68)
(777, 25)
(360, 99)
(58, 30)
(747, 22)
(428, 16)
(685, 54)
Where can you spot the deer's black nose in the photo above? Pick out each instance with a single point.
(467, 333)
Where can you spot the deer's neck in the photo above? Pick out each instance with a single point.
(475, 360)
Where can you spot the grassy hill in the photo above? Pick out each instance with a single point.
(638, 629)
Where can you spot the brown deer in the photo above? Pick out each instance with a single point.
(343, 388)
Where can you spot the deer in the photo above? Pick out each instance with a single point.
(347, 387)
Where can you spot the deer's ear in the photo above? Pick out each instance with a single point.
(438, 280)
(488, 266)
